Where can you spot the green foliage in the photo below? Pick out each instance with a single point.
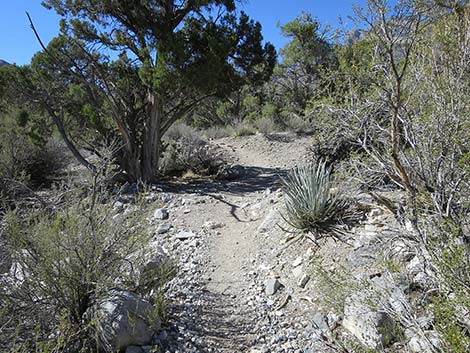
(64, 260)
(265, 126)
(449, 256)
(308, 53)
(179, 58)
(217, 132)
(446, 313)
(244, 129)
(27, 158)
(311, 206)
(354, 74)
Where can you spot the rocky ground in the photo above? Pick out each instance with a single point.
(229, 296)
(244, 285)
(239, 289)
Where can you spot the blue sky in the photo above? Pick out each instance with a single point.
(18, 45)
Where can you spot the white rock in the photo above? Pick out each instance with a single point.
(298, 261)
(375, 212)
(161, 214)
(164, 228)
(297, 271)
(364, 320)
(183, 235)
(118, 204)
(166, 197)
(122, 319)
(255, 210)
(212, 225)
(309, 254)
(370, 228)
(186, 202)
(272, 285)
(418, 344)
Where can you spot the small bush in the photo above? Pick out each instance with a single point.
(188, 155)
(310, 204)
(217, 132)
(297, 123)
(34, 163)
(179, 131)
(244, 129)
(446, 244)
(61, 263)
(265, 126)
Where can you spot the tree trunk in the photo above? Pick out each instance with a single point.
(60, 127)
(394, 137)
(130, 163)
(152, 138)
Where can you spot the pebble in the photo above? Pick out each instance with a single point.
(184, 235)
(272, 285)
(164, 228)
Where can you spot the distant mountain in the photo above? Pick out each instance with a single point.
(355, 35)
(3, 63)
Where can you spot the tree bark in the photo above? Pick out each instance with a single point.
(152, 138)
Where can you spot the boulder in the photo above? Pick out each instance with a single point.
(425, 343)
(417, 273)
(158, 257)
(319, 322)
(166, 197)
(366, 312)
(161, 214)
(121, 319)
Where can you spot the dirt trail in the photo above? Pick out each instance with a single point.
(227, 320)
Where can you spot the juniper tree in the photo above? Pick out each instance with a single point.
(147, 63)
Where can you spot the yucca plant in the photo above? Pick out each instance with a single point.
(310, 205)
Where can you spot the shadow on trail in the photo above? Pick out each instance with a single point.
(251, 179)
(217, 321)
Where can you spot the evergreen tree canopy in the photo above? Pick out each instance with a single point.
(151, 62)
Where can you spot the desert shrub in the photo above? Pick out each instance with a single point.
(26, 158)
(448, 255)
(311, 206)
(333, 150)
(270, 111)
(180, 130)
(46, 163)
(244, 129)
(297, 123)
(217, 132)
(265, 126)
(189, 153)
(62, 262)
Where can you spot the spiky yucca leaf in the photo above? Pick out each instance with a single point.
(310, 206)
